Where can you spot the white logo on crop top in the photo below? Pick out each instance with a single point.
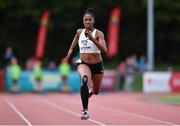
(85, 47)
(84, 42)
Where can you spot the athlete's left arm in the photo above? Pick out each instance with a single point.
(99, 41)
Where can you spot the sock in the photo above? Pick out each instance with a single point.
(84, 92)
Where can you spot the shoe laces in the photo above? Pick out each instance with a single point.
(85, 112)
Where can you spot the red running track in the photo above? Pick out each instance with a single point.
(105, 109)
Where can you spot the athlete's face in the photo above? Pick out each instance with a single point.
(88, 21)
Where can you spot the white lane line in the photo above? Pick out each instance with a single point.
(137, 115)
(58, 107)
(17, 111)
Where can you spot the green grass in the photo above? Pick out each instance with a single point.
(173, 99)
(138, 84)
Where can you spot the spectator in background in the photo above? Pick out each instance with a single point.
(38, 73)
(8, 56)
(131, 69)
(122, 73)
(15, 72)
(52, 66)
(30, 64)
(142, 64)
(134, 62)
(64, 69)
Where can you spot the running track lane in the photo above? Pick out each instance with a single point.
(38, 113)
(113, 111)
(8, 114)
(64, 109)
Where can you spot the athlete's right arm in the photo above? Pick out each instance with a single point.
(74, 43)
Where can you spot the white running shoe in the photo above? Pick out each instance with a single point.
(85, 115)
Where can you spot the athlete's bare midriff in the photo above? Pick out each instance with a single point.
(91, 58)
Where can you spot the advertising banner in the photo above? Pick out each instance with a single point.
(52, 81)
(175, 82)
(161, 82)
(109, 81)
(42, 35)
(113, 33)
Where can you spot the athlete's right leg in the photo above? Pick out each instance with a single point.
(97, 79)
(85, 75)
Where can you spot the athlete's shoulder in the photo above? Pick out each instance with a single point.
(99, 32)
(79, 31)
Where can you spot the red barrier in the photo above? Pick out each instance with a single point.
(109, 81)
(1, 80)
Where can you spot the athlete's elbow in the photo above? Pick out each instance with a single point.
(105, 50)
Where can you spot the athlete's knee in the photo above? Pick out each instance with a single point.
(96, 93)
(84, 80)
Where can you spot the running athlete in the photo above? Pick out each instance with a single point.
(90, 66)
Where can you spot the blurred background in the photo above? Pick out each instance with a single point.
(44, 30)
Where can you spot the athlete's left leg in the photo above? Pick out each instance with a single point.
(85, 75)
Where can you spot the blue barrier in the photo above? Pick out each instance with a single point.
(51, 81)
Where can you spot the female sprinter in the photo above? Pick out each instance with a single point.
(90, 68)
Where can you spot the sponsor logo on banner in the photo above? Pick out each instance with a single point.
(175, 82)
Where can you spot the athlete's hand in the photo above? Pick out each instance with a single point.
(66, 59)
(88, 34)
(68, 56)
